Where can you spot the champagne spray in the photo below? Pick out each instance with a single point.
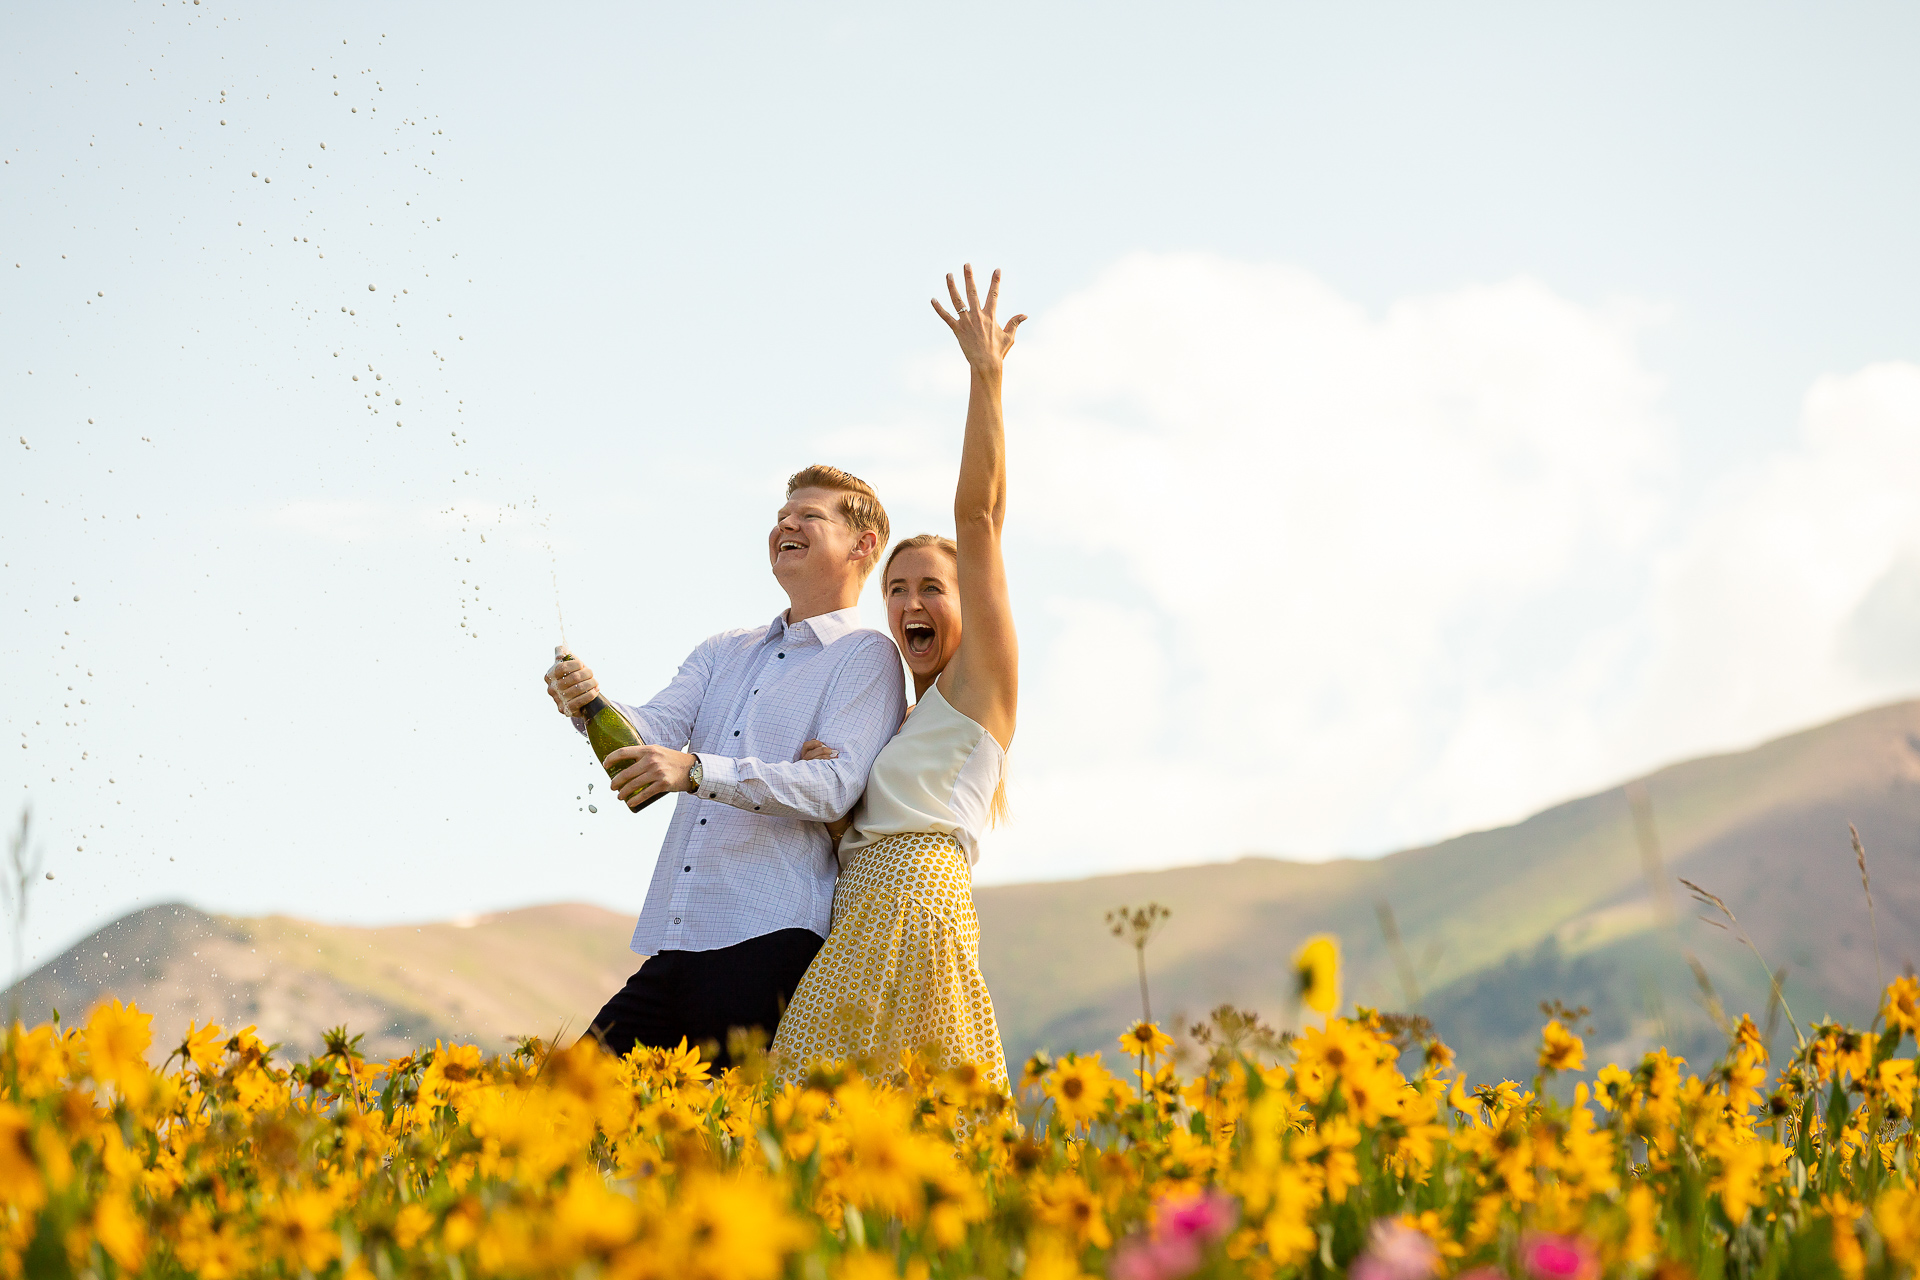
(608, 728)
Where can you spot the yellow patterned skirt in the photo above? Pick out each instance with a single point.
(900, 971)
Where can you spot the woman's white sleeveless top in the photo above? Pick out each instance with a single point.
(937, 774)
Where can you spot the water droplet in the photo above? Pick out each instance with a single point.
(593, 808)
(50, 874)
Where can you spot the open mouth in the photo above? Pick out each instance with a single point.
(788, 544)
(920, 638)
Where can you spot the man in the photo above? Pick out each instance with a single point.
(742, 895)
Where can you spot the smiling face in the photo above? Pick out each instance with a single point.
(923, 610)
(811, 546)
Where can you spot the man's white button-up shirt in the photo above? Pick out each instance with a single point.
(748, 855)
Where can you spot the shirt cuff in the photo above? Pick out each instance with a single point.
(719, 778)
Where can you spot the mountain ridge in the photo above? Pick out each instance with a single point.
(1577, 898)
(490, 978)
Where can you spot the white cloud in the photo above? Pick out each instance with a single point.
(1298, 578)
(1794, 593)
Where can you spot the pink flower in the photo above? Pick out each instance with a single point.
(1396, 1251)
(1145, 1258)
(1182, 1229)
(1546, 1257)
(1205, 1218)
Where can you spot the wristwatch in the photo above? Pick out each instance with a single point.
(695, 775)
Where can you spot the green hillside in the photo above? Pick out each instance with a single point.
(486, 979)
(1558, 906)
(1564, 906)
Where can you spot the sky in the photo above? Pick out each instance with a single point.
(1427, 413)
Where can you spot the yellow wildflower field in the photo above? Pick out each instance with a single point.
(1315, 1155)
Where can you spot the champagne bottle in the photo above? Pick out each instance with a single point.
(607, 730)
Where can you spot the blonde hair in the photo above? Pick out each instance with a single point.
(859, 505)
(997, 810)
(919, 540)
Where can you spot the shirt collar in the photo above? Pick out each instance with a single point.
(824, 628)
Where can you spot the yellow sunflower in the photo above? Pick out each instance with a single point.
(1079, 1087)
(1316, 967)
(1144, 1039)
(1560, 1049)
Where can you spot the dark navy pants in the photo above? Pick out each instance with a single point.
(702, 995)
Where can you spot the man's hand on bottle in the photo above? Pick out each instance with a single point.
(571, 685)
(650, 771)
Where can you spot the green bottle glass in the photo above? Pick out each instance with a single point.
(608, 731)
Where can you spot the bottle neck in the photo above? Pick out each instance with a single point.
(592, 709)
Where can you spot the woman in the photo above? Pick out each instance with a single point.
(901, 969)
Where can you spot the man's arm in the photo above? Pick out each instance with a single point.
(862, 711)
(667, 717)
(814, 749)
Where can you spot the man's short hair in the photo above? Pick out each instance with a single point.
(859, 505)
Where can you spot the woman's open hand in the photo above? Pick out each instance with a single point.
(983, 340)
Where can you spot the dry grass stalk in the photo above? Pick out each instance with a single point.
(1711, 998)
(1773, 1004)
(1711, 899)
(24, 860)
(1652, 863)
(1860, 853)
(1136, 928)
(1397, 948)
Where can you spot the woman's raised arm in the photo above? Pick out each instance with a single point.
(983, 679)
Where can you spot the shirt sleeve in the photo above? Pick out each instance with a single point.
(861, 712)
(667, 718)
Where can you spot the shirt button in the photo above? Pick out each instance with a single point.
(779, 655)
(686, 868)
(736, 733)
(703, 822)
(676, 919)
(756, 691)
